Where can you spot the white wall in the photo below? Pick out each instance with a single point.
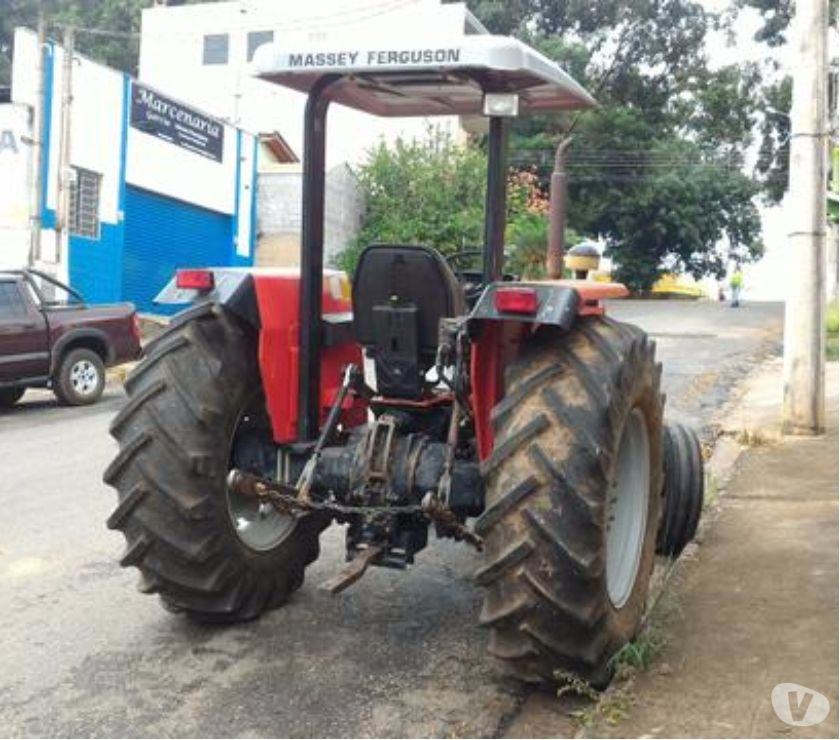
(95, 128)
(15, 152)
(171, 59)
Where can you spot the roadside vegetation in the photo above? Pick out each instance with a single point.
(612, 705)
(658, 170)
(431, 191)
(832, 325)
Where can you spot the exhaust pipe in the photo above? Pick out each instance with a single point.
(557, 213)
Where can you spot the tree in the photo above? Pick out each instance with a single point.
(665, 204)
(108, 31)
(526, 236)
(118, 17)
(656, 169)
(14, 13)
(774, 155)
(776, 16)
(773, 160)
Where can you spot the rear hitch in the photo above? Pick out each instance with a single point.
(287, 500)
(388, 482)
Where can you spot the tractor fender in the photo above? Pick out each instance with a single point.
(232, 288)
(547, 304)
(268, 300)
(554, 302)
(498, 333)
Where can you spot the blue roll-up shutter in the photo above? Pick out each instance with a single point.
(163, 234)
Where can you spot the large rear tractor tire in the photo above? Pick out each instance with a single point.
(573, 492)
(195, 409)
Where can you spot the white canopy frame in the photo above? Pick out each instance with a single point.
(446, 78)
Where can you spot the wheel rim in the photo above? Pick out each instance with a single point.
(627, 509)
(84, 377)
(258, 526)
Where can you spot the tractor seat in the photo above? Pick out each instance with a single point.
(400, 294)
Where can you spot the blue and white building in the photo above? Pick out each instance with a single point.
(153, 184)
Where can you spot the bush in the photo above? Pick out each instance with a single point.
(432, 192)
(832, 325)
(421, 192)
(832, 321)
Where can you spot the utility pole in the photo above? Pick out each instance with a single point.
(804, 346)
(832, 247)
(63, 201)
(36, 160)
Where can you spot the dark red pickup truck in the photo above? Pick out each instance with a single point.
(49, 338)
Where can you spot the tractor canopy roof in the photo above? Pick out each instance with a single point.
(449, 77)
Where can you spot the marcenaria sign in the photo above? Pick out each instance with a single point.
(167, 119)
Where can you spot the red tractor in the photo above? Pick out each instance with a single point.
(513, 416)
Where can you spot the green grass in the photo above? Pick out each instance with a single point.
(831, 329)
(613, 707)
(639, 653)
(832, 323)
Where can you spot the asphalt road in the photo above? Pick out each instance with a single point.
(399, 654)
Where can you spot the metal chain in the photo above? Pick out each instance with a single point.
(437, 512)
(289, 503)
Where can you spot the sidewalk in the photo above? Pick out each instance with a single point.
(756, 605)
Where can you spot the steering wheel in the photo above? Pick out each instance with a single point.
(471, 279)
(456, 257)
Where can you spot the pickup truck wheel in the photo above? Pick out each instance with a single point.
(10, 396)
(195, 410)
(80, 379)
(573, 492)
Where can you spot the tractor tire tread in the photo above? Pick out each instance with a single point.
(556, 436)
(183, 402)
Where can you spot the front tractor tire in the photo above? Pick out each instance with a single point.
(573, 492)
(195, 409)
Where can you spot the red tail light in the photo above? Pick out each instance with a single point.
(516, 300)
(194, 279)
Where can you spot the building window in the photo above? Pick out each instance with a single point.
(83, 217)
(216, 48)
(11, 302)
(257, 39)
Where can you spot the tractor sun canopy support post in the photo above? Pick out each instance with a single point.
(312, 257)
(495, 200)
